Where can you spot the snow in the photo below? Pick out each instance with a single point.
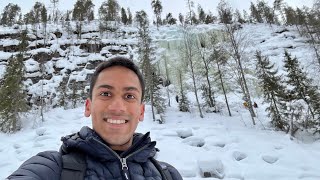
(31, 65)
(9, 42)
(218, 145)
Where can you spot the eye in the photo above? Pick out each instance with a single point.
(130, 96)
(105, 94)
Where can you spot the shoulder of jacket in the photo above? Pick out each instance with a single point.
(173, 171)
(45, 165)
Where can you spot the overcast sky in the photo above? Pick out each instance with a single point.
(173, 6)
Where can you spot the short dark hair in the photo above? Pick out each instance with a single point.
(117, 61)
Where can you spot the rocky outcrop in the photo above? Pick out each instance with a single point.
(61, 66)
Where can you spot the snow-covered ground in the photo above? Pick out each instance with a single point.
(229, 147)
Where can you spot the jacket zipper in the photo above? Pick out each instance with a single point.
(123, 161)
(124, 168)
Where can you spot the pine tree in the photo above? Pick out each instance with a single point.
(13, 99)
(202, 14)
(129, 16)
(81, 12)
(124, 17)
(62, 93)
(74, 96)
(225, 12)
(44, 20)
(239, 17)
(290, 16)
(109, 11)
(10, 14)
(256, 16)
(157, 10)
(146, 51)
(302, 89)
(170, 20)
(273, 91)
(184, 104)
(210, 18)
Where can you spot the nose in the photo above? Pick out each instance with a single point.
(116, 105)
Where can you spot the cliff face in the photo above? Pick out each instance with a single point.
(58, 65)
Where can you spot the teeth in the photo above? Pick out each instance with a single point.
(115, 121)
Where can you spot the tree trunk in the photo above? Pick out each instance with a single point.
(223, 89)
(195, 86)
(167, 74)
(189, 52)
(313, 43)
(212, 102)
(151, 99)
(237, 57)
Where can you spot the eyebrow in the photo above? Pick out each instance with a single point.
(129, 88)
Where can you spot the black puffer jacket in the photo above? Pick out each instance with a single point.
(102, 162)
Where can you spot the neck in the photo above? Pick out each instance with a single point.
(122, 147)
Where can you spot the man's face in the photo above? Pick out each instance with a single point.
(116, 107)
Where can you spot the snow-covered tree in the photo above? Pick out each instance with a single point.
(146, 57)
(301, 90)
(13, 98)
(273, 91)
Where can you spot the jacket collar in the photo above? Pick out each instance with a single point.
(89, 142)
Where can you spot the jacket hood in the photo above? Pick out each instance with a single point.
(89, 142)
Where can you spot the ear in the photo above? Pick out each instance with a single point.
(87, 111)
(142, 109)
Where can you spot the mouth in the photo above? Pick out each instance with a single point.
(116, 121)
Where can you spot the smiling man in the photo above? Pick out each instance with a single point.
(111, 149)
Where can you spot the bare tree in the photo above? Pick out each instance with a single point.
(54, 10)
(167, 77)
(202, 50)
(238, 44)
(190, 5)
(219, 57)
(189, 42)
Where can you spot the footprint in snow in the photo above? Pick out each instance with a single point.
(220, 144)
(41, 131)
(194, 141)
(195, 128)
(211, 168)
(16, 146)
(237, 155)
(270, 159)
(18, 151)
(278, 147)
(184, 133)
